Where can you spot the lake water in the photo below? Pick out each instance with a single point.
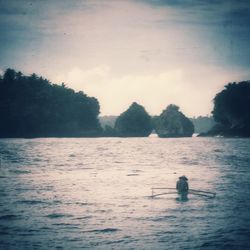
(95, 193)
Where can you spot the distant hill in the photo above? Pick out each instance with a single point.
(231, 111)
(134, 122)
(173, 123)
(202, 124)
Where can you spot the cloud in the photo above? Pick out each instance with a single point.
(76, 76)
(192, 89)
(112, 31)
(153, 52)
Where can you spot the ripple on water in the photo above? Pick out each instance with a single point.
(8, 217)
(218, 151)
(33, 202)
(84, 217)
(19, 171)
(105, 230)
(164, 218)
(85, 204)
(58, 215)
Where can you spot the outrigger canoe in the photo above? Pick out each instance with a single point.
(174, 191)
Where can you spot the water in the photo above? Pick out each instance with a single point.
(95, 193)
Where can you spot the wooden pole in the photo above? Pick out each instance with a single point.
(191, 191)
(201, 194)
(163, 188)
(163, 194)
(194, 190)
(201, 191)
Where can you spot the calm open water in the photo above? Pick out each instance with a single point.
(95, 193)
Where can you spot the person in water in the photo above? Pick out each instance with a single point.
(182, 185)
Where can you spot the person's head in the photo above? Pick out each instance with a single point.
(183, 177)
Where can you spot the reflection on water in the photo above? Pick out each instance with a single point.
(96, 193)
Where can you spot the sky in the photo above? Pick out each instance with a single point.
(154, 52)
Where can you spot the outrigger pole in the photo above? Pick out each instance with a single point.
(192, 191)
(154, 195)
(202, 194)
(200, 191)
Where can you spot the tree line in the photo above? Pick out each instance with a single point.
(231, 111)
(32, 106)
(202, 124)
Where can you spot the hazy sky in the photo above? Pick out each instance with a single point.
(149, 51)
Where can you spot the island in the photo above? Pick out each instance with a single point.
(173, 123)
(134, 122)
(231, 111)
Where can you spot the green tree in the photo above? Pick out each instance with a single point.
(231, 109)
(31, 106)
(134, 122)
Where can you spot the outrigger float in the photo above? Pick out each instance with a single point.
(174, 191)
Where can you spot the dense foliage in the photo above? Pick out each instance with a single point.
(172, 123)
(31, 106)
(134, 122)
(232, 109)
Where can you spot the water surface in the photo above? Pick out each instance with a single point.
(95, 193)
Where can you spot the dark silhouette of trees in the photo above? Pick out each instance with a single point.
(109, 131)
(134, 122)
(30, 106)
(172, 123)
(232, 110)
